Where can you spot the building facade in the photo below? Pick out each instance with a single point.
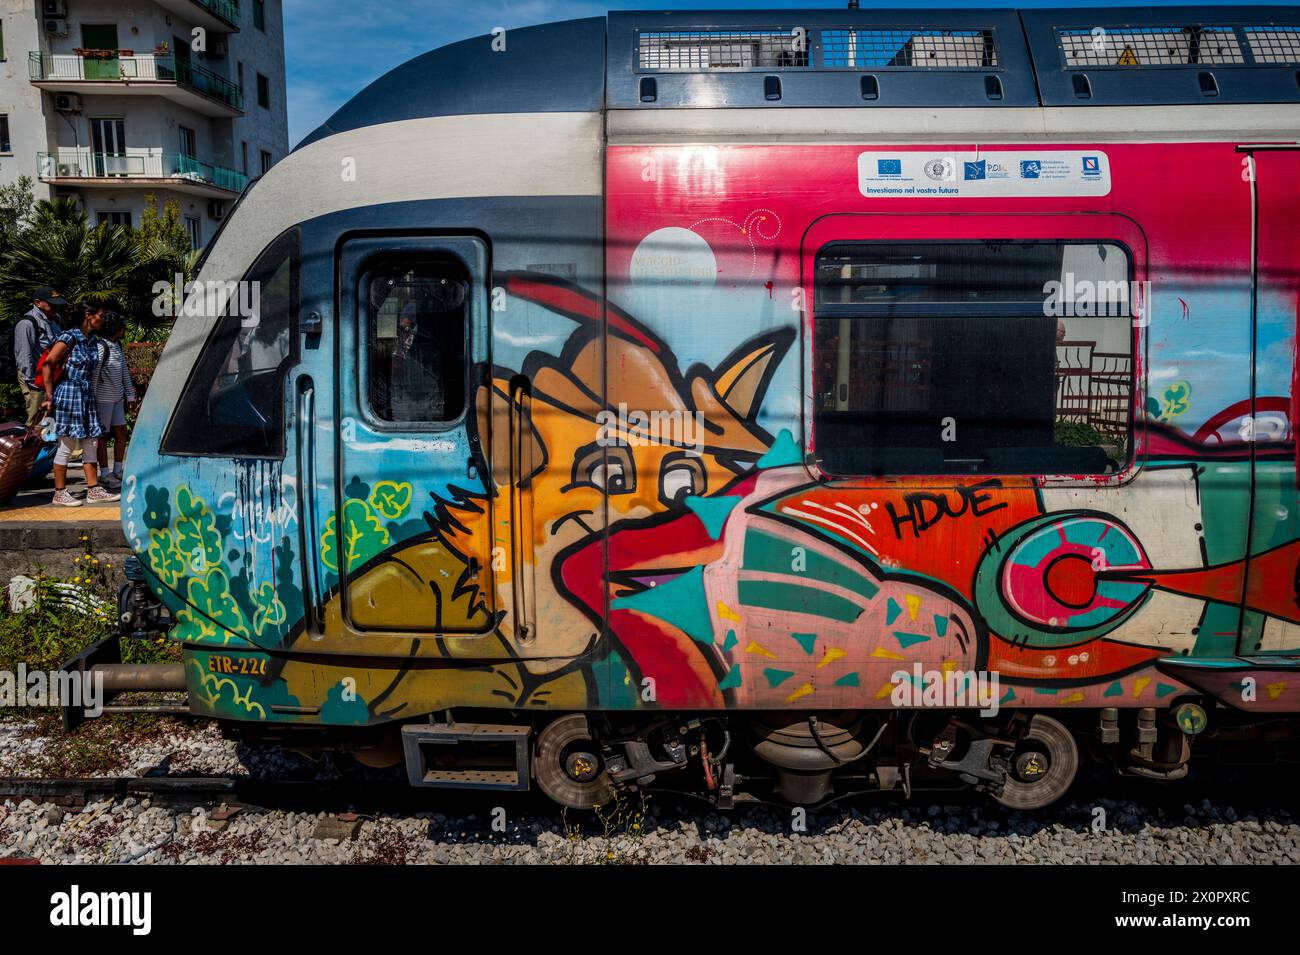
(111, 101)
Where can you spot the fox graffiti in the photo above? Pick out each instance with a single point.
(567, 461)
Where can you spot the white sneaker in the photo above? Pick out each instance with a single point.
(101, 495)
(65, 499)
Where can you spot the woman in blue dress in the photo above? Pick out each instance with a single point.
(72, 399)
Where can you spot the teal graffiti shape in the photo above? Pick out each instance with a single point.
(784, 451)
(713, 512)
(680, 602)
(338, 711)
(806, 640)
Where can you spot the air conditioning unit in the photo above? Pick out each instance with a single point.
(67, 103)
(216, 210)
(54, 8)
(56, 26)
(69, 170)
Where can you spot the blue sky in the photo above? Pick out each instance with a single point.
(334, 48)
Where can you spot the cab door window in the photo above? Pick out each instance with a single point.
(415, 341)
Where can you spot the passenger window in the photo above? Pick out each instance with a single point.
(985, 357)
(233, 403)
(415, 340)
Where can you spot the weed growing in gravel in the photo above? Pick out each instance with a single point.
(101, 746)
(218, 847)
(622, 839)
(572, 837)
(386, 845)
(697, 854)
(98, 835)
(64, 615)
(624, 825)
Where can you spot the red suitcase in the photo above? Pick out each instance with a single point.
(19, 446)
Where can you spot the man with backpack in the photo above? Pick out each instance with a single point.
(33, 334)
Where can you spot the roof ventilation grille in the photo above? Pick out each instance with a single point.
(722, 49)
(910, 49)
(1274, 44)
(1135, 47)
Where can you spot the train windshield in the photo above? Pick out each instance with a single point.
(233, 404)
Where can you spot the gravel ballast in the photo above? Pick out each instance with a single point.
(136, 831)
(928, 829)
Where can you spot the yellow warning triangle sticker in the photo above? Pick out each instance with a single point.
(1127, 58)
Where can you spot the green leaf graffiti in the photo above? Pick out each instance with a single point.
(165, 558)
(363, 536)
(269, 609)
(391, 499)
(196, 532)
(211, 608)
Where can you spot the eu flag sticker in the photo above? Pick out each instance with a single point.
(889, 167)
(1030, 168)
(974, 170)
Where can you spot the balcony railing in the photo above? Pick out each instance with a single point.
(86, 164)
(127, 67)
(228, 10)
(204, 81)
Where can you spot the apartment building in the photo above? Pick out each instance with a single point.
(113, 100)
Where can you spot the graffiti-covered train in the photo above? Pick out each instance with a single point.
(766, 404)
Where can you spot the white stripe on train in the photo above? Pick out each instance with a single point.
(441, 157)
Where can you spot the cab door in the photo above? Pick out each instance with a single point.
(1270, 604)
(409, 542)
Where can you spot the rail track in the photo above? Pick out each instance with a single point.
(1246, 787)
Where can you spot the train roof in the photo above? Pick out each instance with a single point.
(995, 58)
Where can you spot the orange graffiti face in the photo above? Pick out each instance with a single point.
(588, 461)
(601, 474)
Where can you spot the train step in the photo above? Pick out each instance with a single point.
(489, 756)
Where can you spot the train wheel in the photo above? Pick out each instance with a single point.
(568, 765)
(382, 753)
(1043, 766)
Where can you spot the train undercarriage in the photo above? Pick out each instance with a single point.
(1023, 760)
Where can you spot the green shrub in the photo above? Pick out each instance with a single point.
(1075, 434)
(70, 612)
(11, 402)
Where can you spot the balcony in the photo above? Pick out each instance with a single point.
(215, 16)
(126, 73)
(83, 168)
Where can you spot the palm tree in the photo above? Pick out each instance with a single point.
(59, 249)
(102, 265)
